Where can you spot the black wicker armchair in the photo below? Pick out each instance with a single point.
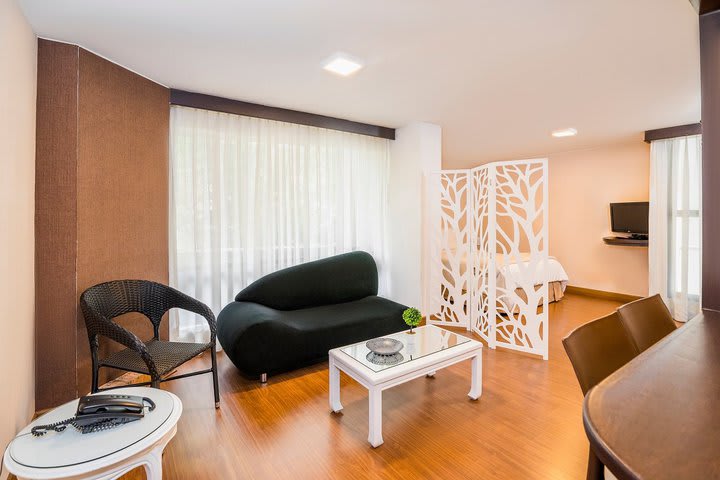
(103, 302)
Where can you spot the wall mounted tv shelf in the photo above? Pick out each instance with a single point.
(626, 241)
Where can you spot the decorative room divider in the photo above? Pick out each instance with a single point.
(487, 229)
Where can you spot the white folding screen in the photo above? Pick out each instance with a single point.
(449, 235)
(488, 253)
(521, 220)
(482, 210)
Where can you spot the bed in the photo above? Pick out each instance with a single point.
(509, 276)
(510, 273)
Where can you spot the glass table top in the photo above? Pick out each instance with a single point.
(425, 341)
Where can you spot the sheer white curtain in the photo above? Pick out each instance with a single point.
(251, 196)
(675, 223)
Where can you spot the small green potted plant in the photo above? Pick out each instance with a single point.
(412, 317)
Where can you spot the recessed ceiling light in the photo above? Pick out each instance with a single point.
(342, 64)
(565, 132)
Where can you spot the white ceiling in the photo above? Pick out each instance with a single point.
(497, 75)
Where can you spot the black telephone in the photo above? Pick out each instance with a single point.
(100, 412)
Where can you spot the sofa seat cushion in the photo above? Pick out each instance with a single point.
(259, 339)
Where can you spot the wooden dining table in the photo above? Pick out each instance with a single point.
(658, 417)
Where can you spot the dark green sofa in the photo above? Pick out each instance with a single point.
(292, 317)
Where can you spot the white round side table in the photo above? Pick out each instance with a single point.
(99, 455)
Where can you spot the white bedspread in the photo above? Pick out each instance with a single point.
(510, 272)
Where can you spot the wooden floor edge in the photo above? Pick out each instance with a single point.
(590, 292)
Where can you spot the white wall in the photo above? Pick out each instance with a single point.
(18, 60)
(417, 149)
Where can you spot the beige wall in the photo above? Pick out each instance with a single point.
(582, 185)
(17, 204)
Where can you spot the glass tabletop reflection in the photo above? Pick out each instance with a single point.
(424, 341)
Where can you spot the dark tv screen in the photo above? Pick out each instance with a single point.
(630, 217)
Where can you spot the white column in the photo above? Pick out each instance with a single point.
(417, 149)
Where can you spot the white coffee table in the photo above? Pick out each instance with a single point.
(100, 455)
(429, 349)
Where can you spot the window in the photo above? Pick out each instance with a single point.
(251, 196)
(675, 223)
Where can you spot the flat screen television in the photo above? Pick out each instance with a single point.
(630, 217)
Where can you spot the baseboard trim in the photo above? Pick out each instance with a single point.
(589, 292)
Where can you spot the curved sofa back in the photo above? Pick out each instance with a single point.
(338, 279)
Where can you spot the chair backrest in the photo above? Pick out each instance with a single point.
(597, 349)
(108, 300)
(647, 320)
(338, 279)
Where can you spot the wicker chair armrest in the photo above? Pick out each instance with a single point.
(190, 304)
(118, 334)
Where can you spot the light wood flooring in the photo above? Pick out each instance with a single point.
(527, 424)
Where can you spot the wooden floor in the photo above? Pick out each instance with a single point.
(527, 424)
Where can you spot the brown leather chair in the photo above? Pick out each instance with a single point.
(646, 320)
(596, 350)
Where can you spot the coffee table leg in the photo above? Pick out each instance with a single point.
(375, 424)
(335, 404)
(476, 387)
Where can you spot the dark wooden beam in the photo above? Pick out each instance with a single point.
(673, 132)
(710, 87)
(237, 107)
(706, 6)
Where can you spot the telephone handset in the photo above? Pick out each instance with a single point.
(100, 412)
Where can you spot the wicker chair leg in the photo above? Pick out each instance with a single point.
(94, 388)
(155, 383)
(213, 357)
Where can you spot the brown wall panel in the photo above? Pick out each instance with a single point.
(111, 182)
(55, 221)
(122, 187)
